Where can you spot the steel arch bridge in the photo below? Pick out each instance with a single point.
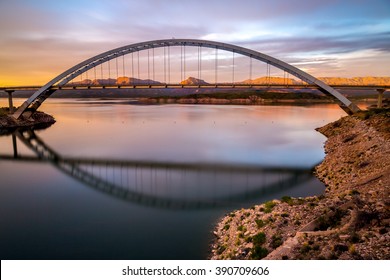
(32, 103)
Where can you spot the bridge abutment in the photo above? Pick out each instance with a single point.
(20, 110)
(351, 109)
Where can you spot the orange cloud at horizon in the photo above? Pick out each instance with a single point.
(16, 81)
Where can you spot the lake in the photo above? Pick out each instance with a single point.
(115, 180)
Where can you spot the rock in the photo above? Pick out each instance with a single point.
(36, 121)
(344, 236)
(350, 189)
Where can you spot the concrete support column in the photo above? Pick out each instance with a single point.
(11, 105)
(380, 96)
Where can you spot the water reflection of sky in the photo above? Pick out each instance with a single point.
(46, 213)
(267, 135)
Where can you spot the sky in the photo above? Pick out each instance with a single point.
(40, 39)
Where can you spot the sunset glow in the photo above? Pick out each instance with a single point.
(40, 39)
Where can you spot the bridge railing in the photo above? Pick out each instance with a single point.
(178, 85)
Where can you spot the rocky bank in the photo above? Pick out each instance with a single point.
(351, 220)
(36, 120)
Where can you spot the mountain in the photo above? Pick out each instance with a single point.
(117, 81)
(271, 81)
(355, 81)
(191, 81)
(359, 81)
(135, 81)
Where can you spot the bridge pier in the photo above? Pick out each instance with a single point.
(10, 102)
(381, 92)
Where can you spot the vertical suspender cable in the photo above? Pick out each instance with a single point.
(165, 66)
(123, 65)
(266, 76)
(153, 64)
(109, 71)
(184, 75)
(169, 65)
(117, 70)
(94, 71)
(138, 65)
(269, 73)
(101, 71)
(132, 66)
(148, 67)
(181, 63)
(250, 69)
(200, 67)
(198, 64)
(216, 65)
(233, 69)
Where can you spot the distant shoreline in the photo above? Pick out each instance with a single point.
(235, 101)
(224, 93)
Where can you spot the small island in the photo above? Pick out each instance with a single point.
(35, 121)
(351, 220)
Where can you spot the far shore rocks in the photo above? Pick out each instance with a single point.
(251, 100)
(351, 220)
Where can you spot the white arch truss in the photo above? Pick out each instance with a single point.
(45, 91)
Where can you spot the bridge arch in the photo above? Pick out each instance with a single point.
(45, 91)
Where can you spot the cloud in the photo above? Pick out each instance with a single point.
(325, 45)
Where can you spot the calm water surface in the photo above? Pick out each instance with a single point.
(118, 181)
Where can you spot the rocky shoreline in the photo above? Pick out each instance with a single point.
(37, 120)
(351, 220)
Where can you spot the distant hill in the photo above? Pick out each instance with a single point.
(191, 81)
(360, 81)
(355, 81)
(271, 81)
(117, 81)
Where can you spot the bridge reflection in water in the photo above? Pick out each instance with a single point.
(166, 185)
